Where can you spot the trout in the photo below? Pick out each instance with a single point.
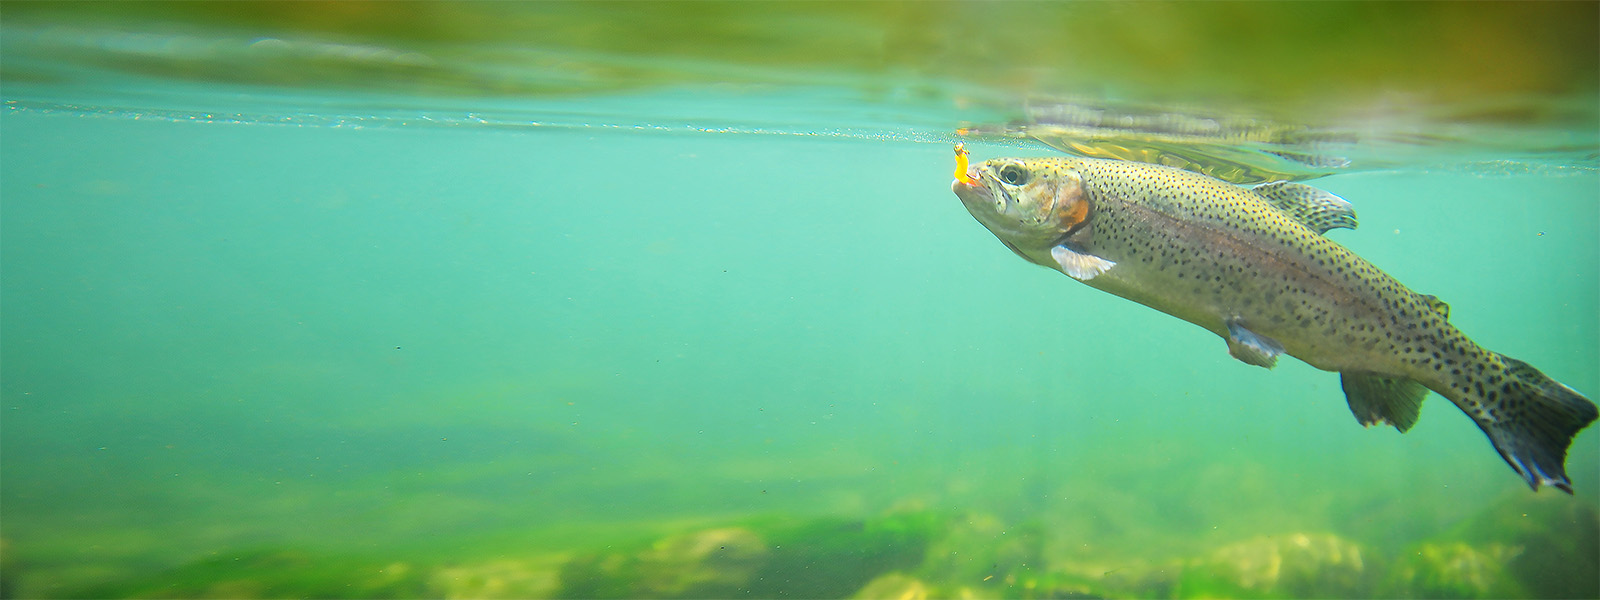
(1251, 265)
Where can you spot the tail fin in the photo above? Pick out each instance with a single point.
(1532, 420)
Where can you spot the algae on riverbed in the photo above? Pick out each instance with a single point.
(903, 555)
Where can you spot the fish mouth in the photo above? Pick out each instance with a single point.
(972, 190)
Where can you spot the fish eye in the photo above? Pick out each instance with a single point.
(1013, 175)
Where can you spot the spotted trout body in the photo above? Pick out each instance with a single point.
(1252, 266)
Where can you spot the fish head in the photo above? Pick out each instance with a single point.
(1027, 203)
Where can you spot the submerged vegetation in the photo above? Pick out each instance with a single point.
(670, 300)
(914, 554)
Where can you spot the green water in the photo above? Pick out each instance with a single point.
(708, 325)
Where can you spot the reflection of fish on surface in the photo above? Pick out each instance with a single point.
(1238, 148)
(1252, 266)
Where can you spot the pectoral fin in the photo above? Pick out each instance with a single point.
(1375, 399)
(1250, 347)
(1318, 210)
(1081, 267)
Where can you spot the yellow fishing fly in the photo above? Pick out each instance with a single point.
(961, 165)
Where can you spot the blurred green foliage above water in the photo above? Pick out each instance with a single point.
(1484, 59)
(229, 303)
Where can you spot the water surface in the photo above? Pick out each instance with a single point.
(367, 306)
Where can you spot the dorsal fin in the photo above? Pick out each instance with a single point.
(1319, 211)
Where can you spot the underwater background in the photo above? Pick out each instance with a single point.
(672, 300)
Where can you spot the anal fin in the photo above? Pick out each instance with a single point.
(1080, 266)
(1252, 348)
(1374, 399)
